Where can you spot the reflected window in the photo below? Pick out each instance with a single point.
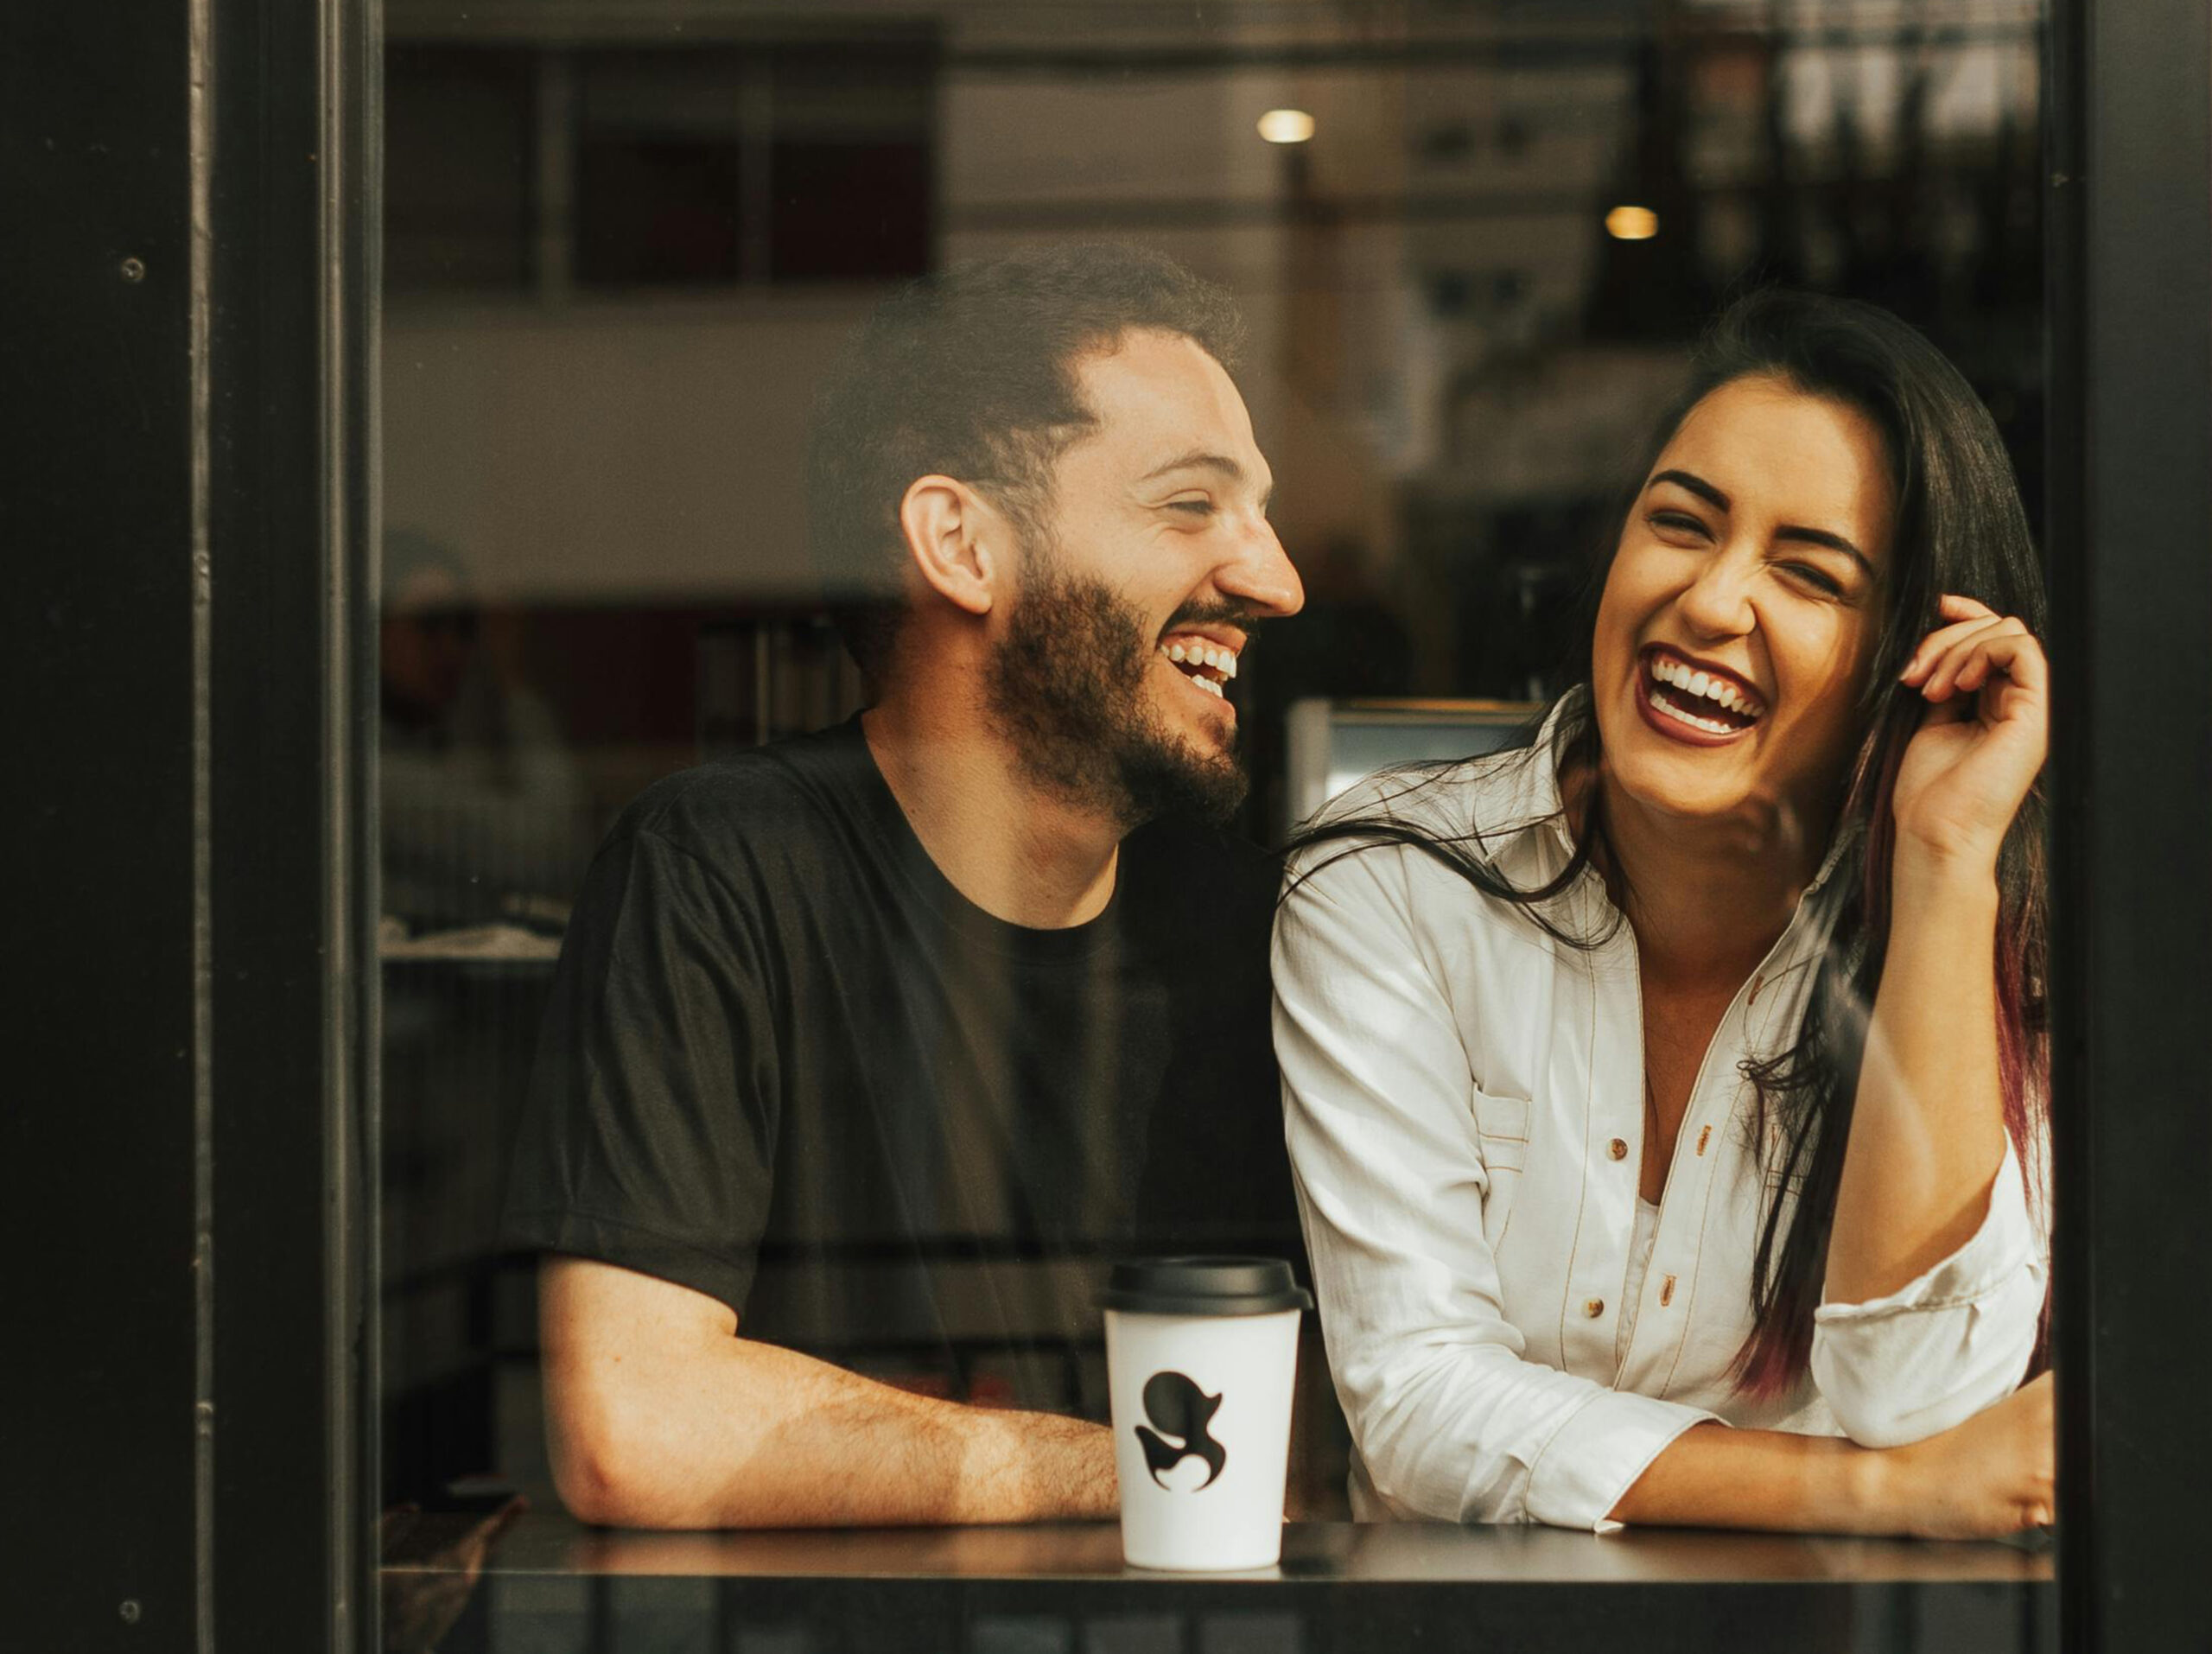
(460, 149)
(769, 165)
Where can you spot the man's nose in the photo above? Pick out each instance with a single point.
(1260, 574)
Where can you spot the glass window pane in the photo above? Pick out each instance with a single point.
(1472, 247)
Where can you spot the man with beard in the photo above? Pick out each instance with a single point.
(867, 1049)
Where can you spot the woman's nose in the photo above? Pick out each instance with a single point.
(1719, 601)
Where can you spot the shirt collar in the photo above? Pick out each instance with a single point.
(1534, 808)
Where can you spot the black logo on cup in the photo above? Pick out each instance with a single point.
(1179, 1412)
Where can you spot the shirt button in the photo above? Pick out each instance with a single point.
(1618, 1148)
(1594, 1308)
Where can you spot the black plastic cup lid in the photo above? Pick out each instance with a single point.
(1203, 1286)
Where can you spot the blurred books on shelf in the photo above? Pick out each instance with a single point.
(763, 677)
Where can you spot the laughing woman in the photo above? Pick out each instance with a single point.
(1667, 1099)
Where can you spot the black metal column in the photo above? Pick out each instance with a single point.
(292, 882)
(97, 1082)
(187, 261)
(2132, 565)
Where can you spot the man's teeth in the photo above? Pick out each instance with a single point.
(1201, 654)
(1718, 690)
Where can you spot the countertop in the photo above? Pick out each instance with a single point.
(1340, 1586)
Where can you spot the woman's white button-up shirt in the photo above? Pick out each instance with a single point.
(1454, 1081)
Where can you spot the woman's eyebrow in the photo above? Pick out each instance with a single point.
(1697, 485)
(1832, 542)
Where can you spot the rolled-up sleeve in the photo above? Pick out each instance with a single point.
(1451, 1422)
(1947, 1345)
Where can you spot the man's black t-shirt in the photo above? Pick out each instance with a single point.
(788, 1064)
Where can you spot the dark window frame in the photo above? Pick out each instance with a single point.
(2130, 341)
(191, 308)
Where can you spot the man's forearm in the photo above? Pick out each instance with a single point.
(740, 1433)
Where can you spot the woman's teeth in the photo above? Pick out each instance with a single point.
(1199, 659)
(1685, 679)
(1711, 725)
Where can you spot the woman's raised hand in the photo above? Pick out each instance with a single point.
(1995, 1474)
(1982, 738)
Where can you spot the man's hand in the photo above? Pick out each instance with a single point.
(420, 1608)
(659, 1415)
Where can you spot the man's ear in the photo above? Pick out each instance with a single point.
(957, 541)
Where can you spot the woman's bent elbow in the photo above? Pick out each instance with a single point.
(1887, 1409)
(1897, 1408)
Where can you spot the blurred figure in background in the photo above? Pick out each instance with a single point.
(481, 805)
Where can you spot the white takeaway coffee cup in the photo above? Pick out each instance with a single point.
(1201, 1359)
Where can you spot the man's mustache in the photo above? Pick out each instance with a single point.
(1219, 615)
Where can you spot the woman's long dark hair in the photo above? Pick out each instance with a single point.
(1959, 528)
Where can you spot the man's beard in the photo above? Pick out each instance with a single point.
(1070, 686)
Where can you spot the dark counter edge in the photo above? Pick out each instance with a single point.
(1334, 1554)
(1343, 1589)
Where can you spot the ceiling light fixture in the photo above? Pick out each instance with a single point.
(1285, 126)
(1631, 224)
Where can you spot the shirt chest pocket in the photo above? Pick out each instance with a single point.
(1501, 1134)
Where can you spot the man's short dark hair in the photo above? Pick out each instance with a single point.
(971, 373)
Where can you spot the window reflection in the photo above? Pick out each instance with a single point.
(620, 260)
